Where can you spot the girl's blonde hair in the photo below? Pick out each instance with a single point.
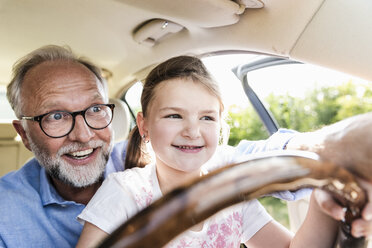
(186, 67)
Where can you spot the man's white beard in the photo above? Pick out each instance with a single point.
(76, 176)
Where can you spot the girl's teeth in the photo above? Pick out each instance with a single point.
(189, 147)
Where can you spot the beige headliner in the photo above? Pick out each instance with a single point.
(334, 33)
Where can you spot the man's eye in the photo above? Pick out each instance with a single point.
(96, 109)
(57, 116)
(173, 116)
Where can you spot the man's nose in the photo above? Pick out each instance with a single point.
(191, 130)
(81, 131)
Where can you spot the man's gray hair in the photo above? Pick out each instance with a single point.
(36, 57)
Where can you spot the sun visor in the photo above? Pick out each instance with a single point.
(204, 14)
(151, 32)
(251, 4)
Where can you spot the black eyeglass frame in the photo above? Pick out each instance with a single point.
(73, 114)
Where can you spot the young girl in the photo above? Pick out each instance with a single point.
(181, 118)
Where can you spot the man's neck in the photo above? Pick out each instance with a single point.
(78, 195)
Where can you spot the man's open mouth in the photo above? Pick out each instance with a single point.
(80, 154)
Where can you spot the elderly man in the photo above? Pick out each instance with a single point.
(61, 103)
(64, 119)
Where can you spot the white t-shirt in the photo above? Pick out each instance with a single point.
(123, 194)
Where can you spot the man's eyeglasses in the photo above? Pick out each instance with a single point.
(57, 124)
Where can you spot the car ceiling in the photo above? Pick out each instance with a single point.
(332, 33)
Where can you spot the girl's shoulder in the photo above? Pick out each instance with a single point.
(139, 183)
(133, 174)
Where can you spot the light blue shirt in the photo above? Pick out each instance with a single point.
(33, 214)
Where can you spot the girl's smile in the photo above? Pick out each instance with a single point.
(189, 149)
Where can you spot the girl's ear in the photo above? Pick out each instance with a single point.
(224, 132)
(141, 124)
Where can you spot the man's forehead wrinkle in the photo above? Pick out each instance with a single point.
(51, 87)
(60, 87)
(50, 103)
(46, 106)
(51, 96)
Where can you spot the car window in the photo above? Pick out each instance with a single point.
(132, 97)
(302, 97)
(6, 113)
(305, 97)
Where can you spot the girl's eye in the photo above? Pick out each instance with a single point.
(173, 116)
(208, 118)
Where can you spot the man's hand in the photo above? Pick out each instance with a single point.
(347, 143)
(363, 226)
(360, 227)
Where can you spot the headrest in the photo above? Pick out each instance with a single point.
(121, 121)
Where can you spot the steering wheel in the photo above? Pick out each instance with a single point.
(257, 176)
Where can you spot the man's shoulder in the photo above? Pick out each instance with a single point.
(21, 181)
(19, 192)
(117, 158)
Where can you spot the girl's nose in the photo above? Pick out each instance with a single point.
(191, 130)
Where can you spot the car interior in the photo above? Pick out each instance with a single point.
(127, 38)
